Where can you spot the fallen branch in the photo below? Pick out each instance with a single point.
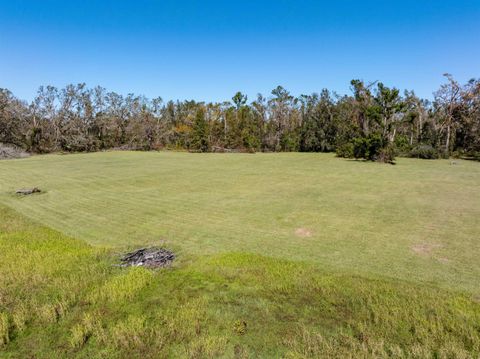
(27, 191)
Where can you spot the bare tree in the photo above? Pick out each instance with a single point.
(448, 102)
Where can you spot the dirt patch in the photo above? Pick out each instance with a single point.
(443, 260)
(148, 257)
(303, 232)
(425, 248)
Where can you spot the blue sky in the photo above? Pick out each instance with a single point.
(208, 50)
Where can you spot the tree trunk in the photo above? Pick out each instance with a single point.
(392, 137)
(447, 143)
(419, 128)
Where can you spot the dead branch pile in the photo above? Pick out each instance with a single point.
(149, 257)
(10, 152)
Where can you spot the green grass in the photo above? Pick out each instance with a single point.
(61, 298)
(364, 218)
(385, 264)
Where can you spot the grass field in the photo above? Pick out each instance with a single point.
(417, 220)
(279, 255)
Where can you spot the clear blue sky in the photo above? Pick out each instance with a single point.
(207, 50)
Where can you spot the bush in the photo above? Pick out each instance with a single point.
(387, 154)
(402, 142)
(360, 147)
(475, 155)
(402, 145)
(345, 150)
(372, 148)
(426, 152)
(368, 147)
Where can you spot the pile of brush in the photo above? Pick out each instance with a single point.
(10, 152)
(149, 257)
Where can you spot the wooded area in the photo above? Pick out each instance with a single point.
(375, 122)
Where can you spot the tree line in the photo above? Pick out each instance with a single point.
(374, 122)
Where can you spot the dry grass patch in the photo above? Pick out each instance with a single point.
(303, 232)
(425, 249)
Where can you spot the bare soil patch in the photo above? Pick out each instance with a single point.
(425, 248)
(148, 257)
(303, 232)
(443, 260)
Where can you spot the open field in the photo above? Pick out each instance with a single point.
(279, 255)
(417, 220)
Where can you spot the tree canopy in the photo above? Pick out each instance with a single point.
(375, 122)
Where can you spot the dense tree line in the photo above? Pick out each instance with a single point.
(375, 122)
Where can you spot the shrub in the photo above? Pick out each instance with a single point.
(289, 142)
(387, 154)
(475, 155)
(360, 147)
(345, 150)
(402, 144)
(368, 147)
(426, 152)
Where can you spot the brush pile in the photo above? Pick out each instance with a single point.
(11, 152)
(149, 257)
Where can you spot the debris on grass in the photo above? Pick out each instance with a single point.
(149, 257)
(27, 191)
(11, 152)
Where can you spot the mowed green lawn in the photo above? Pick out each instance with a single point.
(418, 220)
